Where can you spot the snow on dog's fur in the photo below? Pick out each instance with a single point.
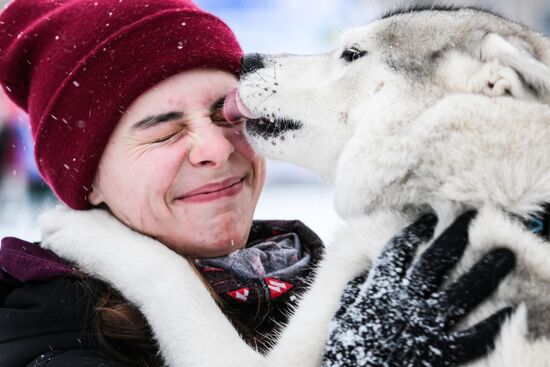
(424, 108)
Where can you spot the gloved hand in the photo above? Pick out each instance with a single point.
(396, 315)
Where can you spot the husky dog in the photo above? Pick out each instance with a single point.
(446, 108)
(425, 108)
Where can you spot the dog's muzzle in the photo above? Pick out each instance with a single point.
(235, 112)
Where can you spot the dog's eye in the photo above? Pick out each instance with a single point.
(352, 54)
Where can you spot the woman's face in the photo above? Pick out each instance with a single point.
(174, 170)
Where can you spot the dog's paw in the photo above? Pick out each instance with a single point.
(495, 80)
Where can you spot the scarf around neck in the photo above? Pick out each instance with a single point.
(259, 284)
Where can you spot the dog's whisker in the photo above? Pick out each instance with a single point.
(340, 31)
(266, 98)
(260, 75)
(348, 18)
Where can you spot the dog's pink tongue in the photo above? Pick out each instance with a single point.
(234, 109)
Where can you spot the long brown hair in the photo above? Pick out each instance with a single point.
(122, 332)
(119, 328)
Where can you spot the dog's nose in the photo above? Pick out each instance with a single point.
(251, 62)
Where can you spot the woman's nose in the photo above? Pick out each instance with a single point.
(211, 148)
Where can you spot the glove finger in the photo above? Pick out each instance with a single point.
(429, 272)
(476, 285)
(398, 253)
(466, 345)
(351, 294)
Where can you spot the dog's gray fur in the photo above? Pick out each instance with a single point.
(447, 109)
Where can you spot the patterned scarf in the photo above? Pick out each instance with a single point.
(260, 283)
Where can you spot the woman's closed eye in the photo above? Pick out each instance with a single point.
(172, 135)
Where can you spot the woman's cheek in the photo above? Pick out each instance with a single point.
(238, 139)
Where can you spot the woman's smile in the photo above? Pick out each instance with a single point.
(214, 191)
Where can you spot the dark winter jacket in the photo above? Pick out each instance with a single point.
(46, 314)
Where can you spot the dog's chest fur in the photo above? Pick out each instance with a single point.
(467, 151)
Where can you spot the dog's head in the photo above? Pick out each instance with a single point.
(308, 107)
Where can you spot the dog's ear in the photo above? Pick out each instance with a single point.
(515, 60)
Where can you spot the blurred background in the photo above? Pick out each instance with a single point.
(267, 26)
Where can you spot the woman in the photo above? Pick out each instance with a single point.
(125, 105)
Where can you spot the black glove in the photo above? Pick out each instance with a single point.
(396, 316)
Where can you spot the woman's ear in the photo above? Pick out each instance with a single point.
(96, 197)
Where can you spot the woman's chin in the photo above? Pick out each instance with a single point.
(212, 235)
(222, 249)
(226, 245)
(210, 244)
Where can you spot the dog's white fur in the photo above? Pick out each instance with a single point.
(448, 109)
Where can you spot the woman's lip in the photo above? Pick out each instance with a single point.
(212, 188)
(228, 191)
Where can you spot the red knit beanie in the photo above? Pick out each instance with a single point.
(76, 65)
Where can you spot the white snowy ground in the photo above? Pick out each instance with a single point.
(304, 198)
